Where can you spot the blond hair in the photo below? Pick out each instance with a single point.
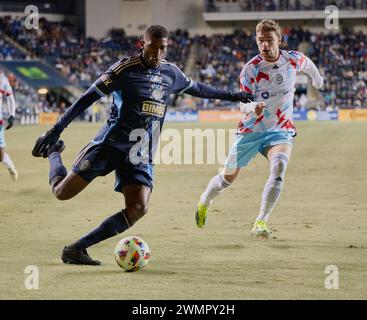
(269, 25)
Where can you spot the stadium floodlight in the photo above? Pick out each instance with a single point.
(42, 91)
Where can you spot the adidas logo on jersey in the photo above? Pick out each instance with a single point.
(275, 66)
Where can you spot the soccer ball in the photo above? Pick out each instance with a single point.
(132, 253)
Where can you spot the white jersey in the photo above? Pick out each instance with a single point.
(5, 91)
(274, 84)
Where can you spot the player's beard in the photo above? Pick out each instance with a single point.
(270, 54)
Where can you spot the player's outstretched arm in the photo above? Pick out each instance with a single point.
(77, 108)
(202, 90)
(52, 135)
(311, 69)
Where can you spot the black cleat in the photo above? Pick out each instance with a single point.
(59, 147)
(78, 256)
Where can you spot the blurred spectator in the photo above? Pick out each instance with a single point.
(82, 60)
(280, 5)
(341, 57)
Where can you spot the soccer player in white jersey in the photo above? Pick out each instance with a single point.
(6, 93)
(267, 126)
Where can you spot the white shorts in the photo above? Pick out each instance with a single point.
(248, 145)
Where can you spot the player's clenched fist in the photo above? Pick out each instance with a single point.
(243, 97)
(44, 142)
(253, 107)
(259, 109)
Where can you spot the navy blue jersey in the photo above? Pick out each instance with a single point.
(140, 96)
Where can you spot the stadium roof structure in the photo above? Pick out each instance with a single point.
(35, 73)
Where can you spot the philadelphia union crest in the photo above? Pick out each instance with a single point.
(84, 165)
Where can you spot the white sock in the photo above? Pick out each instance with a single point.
(273, 186)
(7, 161)
(214, 188)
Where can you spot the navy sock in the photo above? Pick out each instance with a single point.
(108, 228)
(57, 168)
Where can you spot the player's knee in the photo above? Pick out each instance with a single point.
(135, 211)
(279, 165)
(141, 208)
(61, 194)
(226, 180)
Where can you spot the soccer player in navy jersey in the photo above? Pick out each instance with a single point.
(141, 86)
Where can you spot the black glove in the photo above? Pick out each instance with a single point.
(10, 123)
(243, 97)
(44, 142)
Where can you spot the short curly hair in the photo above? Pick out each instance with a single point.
(156, 31)
(269, 25)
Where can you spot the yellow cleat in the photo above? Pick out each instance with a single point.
(260, 229)
(200, 215)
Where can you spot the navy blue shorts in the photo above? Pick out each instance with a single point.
(99, 160)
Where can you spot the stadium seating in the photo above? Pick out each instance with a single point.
(338, 55)
(219, 58)
(278, 5)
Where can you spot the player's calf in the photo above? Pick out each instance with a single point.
(216, 185)
(273, 186)
(76, 253)
(136, 198)
(136, 201)
(65, 188)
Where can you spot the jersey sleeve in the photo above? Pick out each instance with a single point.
(297, 59)
(182, 82)
(247, 79)
(311, 69)
(109, 81)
